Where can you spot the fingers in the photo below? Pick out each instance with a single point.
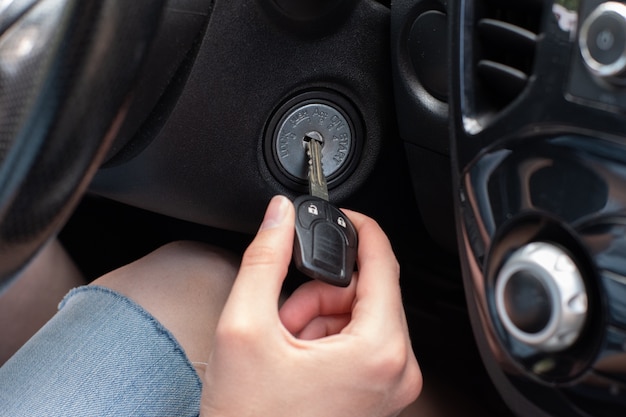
(378, 300)
(369, 353)
(264, 266)
(374, 293)
(315, 299)
(324, 326)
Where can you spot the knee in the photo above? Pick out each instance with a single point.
(184, 285)
(175, 269)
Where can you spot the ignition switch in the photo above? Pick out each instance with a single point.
(325, 119)
(327, 114)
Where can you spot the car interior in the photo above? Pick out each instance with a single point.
(486, 137)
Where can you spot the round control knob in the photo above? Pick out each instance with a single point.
(541, 298)
(602, 42)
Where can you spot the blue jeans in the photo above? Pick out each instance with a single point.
(100, 355)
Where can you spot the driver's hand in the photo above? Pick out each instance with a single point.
(329, 351)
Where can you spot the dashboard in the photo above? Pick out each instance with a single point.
(510, 115)
(486, 137)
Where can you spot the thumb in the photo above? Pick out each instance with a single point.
(264, 266)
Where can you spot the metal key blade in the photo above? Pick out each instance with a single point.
(317, 180)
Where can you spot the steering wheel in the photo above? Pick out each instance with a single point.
(67, 71)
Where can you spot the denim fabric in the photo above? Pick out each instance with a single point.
(100, 355)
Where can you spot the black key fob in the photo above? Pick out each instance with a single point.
(325, 245)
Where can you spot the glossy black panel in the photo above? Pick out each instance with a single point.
(612, 361)
(615, 291)
(567, 190)
(544, 166)
(597, 396)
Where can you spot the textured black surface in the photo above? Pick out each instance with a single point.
(74, 65)
(205, 162)
(174, 46)
(420, 68)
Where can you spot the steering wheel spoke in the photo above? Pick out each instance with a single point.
(67, 71)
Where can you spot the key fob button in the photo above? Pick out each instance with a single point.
(341, 220)
(329, 248)
(310, 211)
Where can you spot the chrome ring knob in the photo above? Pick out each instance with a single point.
(602, 42)
(541, 298)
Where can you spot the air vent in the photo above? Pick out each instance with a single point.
(505, 38)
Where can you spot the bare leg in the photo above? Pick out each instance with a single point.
(32, 300)
(184, 285)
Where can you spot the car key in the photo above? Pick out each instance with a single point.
(325, 243)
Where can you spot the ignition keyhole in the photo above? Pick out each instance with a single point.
(319, 121)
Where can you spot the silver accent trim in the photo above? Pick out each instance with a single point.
(554, 268)
(597, 68)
